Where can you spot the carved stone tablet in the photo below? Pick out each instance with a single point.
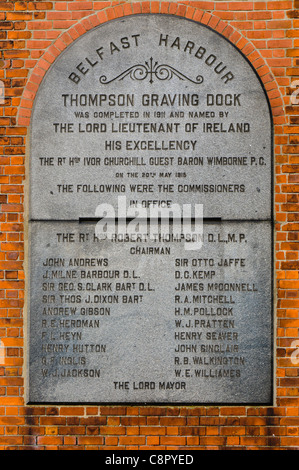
(138, 320)
(159, 109)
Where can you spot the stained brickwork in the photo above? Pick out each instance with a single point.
(32, 35)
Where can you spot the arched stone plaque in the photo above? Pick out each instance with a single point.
(158, 110)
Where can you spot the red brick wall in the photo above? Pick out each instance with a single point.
(32, 35)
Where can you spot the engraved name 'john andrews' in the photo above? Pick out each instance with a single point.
(129, 43)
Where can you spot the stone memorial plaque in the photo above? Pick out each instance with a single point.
(148, 112)
(159, 109)
(139, 320)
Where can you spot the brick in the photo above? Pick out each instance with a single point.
(153, 430)
(107, 410)
(282, 24)
(172, 440)
(280, 5)
(90, 440)
(80, 5)
(112, 430)
(52, 421)
(18, 16)
(50, 440)
(72, 410)
(132, 440)
(35, 5)
(39, 24)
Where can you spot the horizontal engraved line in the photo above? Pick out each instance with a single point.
(95, 219)
(148, 219)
